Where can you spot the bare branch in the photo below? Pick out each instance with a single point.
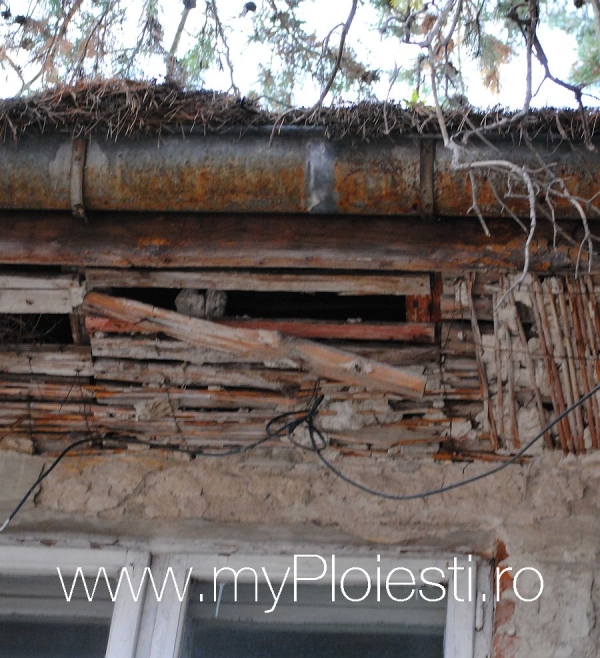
(86, 43)
(338, 61)
(393, 79)
(475, 206)
(171, 60)
(211, 4)
(59, 35)
(504, 207)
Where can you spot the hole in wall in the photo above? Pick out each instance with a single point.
(317, 306)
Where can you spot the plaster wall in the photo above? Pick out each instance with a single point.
(545, 514)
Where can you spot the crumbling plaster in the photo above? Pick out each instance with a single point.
(545, 514)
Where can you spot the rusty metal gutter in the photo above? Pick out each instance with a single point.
(298, 172)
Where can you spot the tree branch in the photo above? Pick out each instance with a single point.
(338, 61)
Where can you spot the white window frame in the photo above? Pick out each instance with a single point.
(44, 561)
(151, 629)
(468, 625)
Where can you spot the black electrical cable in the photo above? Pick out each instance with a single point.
(296, 418)
(277, 428)
(128, 441)
(434, 492)
(44, 475)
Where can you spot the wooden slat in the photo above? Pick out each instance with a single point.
(531, 370)
(320, 359)
(162, 374)
(36, 301)
(39, 282)
(255, 280)
(37, 388)
(414, 332)
(51, 360)
(192, 398)
(481, 367)
(452, 308)
(581, 342)
(556, 391)
(153, 349)
(21, 293)
(561, 334)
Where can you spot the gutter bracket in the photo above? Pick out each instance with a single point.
(427, 148)
(78, 154)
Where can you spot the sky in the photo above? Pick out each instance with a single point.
(378, 52)
(384, 53)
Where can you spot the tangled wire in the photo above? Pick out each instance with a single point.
(284, 425)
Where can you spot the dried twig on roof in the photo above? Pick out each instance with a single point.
(117, 108)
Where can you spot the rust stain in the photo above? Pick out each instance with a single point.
(504, 612)
(505, 646)
(232, 182)
(376, 183)
(501, 552)
(154, 245)
(454, 195)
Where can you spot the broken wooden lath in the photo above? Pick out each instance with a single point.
(541, 354)
(216, 381)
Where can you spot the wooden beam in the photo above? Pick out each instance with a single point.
(156, 349)
(277, 241)
(39, 294)
(320, 359)
(40, 282)
(255, 280)
(413, 332)
(50, 360)
(176, 374)
(115, 395)
(418, 332)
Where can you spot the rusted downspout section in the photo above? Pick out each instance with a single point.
(298, 172)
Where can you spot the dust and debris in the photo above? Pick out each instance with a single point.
(155, 408)
(129, 108)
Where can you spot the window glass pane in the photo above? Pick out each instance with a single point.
(37, 621)
(314, 625)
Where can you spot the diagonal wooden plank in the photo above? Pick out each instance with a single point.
(320, 359)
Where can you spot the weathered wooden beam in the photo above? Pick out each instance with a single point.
(37, 388)
(410, 332)
(107, 344)
(176, 374)
(413, 332)
(41, 282)
(39, 294)
(116, 395)
(157, 349)
(50, 360)
(255, 280)
(320, 359)
(277, 241)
